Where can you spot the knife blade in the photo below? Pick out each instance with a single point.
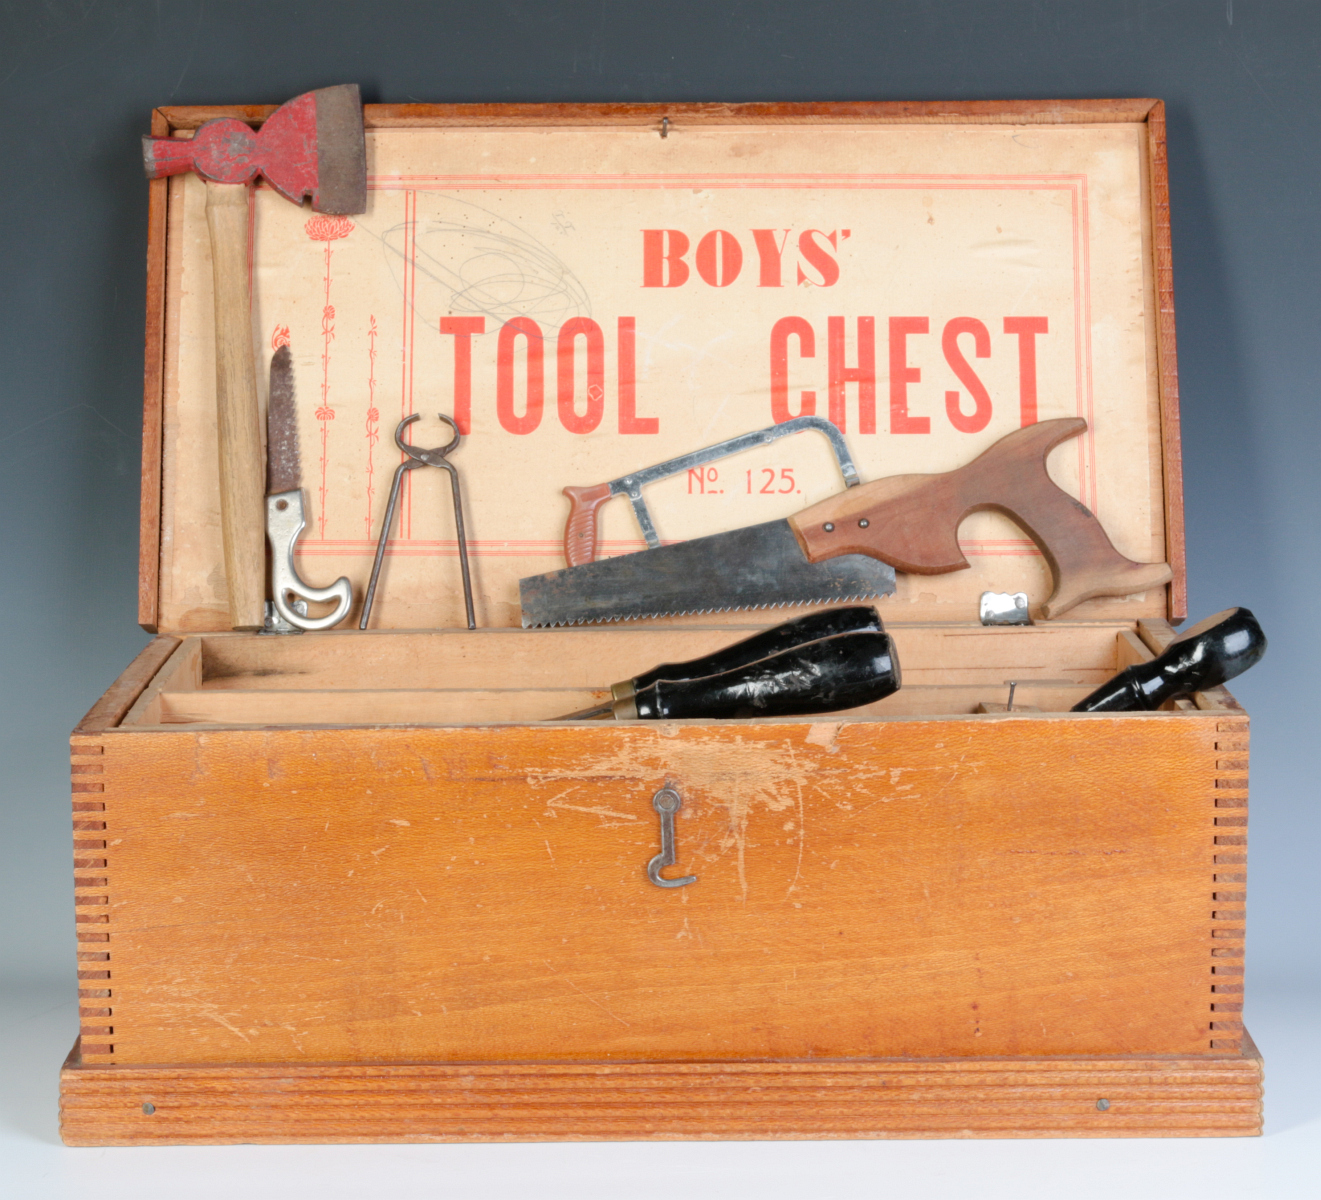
(285, 517)
(284, 471)
(848, 546)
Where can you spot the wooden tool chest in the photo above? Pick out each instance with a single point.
(362, 886)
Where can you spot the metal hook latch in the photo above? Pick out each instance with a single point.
(666, 802)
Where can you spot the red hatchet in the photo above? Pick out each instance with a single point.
(312, 146)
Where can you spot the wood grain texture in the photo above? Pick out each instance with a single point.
(888, 1098)
(238, 412)
(864, 888)
(1168, 362)
(109, 710)
(263, 708)
(90, 878)
(510, 675)
(149, 504)
(1130, 650)
(586, 657)
(1228, 886)
(983, 895)
(396, 116)
(183, 670)
(445, 677)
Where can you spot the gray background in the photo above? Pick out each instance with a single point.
(77, 83)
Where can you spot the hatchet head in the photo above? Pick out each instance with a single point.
(311, 146)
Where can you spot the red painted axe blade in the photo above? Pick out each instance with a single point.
(312, 146)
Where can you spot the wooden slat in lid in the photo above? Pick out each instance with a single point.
(590, 297)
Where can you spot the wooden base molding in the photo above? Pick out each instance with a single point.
(1128, 1096)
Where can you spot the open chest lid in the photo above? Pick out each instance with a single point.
(590, 290)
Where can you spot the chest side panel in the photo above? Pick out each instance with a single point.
(906, 888)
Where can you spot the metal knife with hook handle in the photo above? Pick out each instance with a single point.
(285, 518)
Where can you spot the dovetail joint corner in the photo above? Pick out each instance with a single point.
(91, 900)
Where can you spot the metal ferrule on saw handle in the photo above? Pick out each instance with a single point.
(582, 534)
(284, 522)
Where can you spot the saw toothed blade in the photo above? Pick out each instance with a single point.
(760, 566)
(284, 471)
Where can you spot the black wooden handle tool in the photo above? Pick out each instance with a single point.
(1212, 652)
(858, 618)
(825, 675)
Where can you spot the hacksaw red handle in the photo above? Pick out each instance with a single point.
(582, 538)
(912, 521)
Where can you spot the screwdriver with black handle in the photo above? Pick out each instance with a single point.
(1212, 652)
(858, 618)
(845, 671)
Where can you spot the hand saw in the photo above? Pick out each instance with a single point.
(820, 555)
(581, 536)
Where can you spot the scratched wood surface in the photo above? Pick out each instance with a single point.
(888, 1098)
(1019, 886)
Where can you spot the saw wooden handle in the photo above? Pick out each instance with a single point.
(912, 521)
(582, 538)
(238, 420)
